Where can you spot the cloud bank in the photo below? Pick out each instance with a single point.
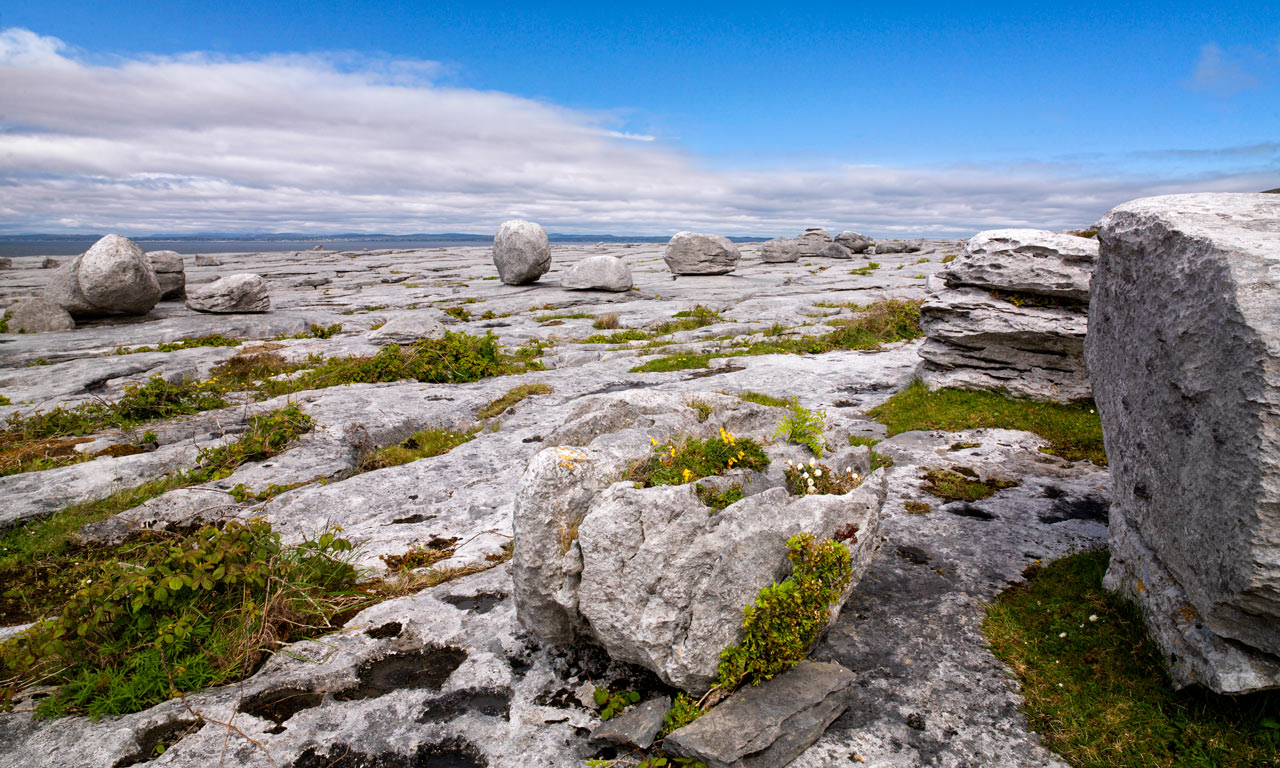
(333, 143)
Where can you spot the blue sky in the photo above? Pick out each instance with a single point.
(897, 119)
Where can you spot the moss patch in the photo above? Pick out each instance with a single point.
(962, 486)
(1074, 432)
(419, 445)
(1095, 687)
(513, 397)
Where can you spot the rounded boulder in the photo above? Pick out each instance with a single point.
(521, 252)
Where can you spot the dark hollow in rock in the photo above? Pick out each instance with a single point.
(280, 705)
(427, 668)
(419, 518)
(385, 631)
(969, 510)
(915, 720)
(453, 753)
(621, 386)
(913, 554)
(1083, 508)
(164, 734)
(491, 702)
(562, 698)
(533, 439)
(714, 372)
(481, 603)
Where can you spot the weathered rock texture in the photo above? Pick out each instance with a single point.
(38, 316)
(769, 725)
(230, 295)
(170, 274)
(1012, 315)
(112, 276)
(408, 327)
(599, 273)
(691, 253)
(855, 242)
(780, 250)
(1184, 349)
(813, 240)
(521, 252)
(898, 246)
(207, 260)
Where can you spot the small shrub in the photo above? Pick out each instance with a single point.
(785, 621)
(459, 313)
(607, 322)
(703, 409)
(950, 257)
(683, 461)
(423, 556)
(865, 269)
(620, 337)
(419, 445)
(803, 427)
(5, 401)
(317, 331)
(212, 340)
(687, 320)
(956, 486)
(917, 507)
(759, 398)
(684, 710)
(718, 500)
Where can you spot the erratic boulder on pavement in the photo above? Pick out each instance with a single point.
(994, 325)
(1184, 351)
(812, 241)
(898, 246)
(170, 274)
(233, 294)
(408, 327)
(835, 251)
(692, 253)
(769, 725)
(207, 260)
(521, 252)
(112, 276)
(37, 316)
(780, 250)
(598, 273)
(855, 242)
(650, 574)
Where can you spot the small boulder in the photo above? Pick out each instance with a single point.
(312, 282)
(598, 273)
(637, 727)
(835, 251)
(692, 253)
(6, 263)
(48, 263)
(170, 274)
(112, 276)
(769, 725)
(898, 246)
(855, 242)
(521, 252)
(233, 294)
(813, 241)
(38, 316)
(780, 250)
(406, 328)
(206, 260)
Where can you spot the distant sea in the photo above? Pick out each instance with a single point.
(71, 245)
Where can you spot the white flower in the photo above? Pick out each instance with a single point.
(848, 470)
(1093, 617)
(812, 462)
(817, 473)
(1064, 634)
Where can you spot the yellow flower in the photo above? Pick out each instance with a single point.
(687, 475)
(653, 440)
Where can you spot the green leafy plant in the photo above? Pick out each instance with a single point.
(718, 500)
(5, 401)
(803, 427)
(962, 484)
(613, 703)
(786, 620)
(458, 312)
(420, 445)
(702, 407)
(212, 340)
(865, 269)
(684, 710)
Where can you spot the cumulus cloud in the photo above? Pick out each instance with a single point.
(326, 143)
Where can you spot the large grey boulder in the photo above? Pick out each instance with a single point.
(1184, 351)
(780, 250)
(1010, 314)
(232, 294)
(112, 276)
(408, 327)
(835, 251)
(521, 252)
(678, 601)
(692, 253)
(769, 725)
(898, 246)
(38, 316)
(812, 241)
(170, 274)
(598, 273)
(855, 242)
(1031, 261)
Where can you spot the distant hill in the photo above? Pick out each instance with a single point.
(1275, 191)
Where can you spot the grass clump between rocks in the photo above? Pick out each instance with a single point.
(865, 269)
(962, 484)
(760, 398)
(718, 499)
(419, 445)
(1095, 687)
(512, 398)
(1074, 431)
(191, 342)
(685, 460)
(878, 460)
(817, 478)
(179, 613)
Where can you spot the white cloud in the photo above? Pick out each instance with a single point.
(346, 143)
(1219, 75)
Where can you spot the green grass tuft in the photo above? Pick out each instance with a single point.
(962, 486)
(759, 398)
(419, 445)
(212, 340)
(513, 397)
(1074, 432)
(1099, 695)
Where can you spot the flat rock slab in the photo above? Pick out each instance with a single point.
(769, 725)
(637, 727)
